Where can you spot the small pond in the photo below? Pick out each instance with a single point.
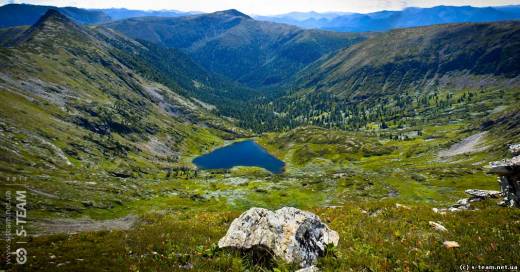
(245, 153)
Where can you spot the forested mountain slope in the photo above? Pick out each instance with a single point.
(230, 43)
(413, 73)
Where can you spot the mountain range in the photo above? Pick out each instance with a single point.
(28, 14)
(405, 73)
(101, 96)
(369, 70)
(335, 21)
(386, 20)
(122, 13)
(267, 76)
(24, 14)
(230, 43)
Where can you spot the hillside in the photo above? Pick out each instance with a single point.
(406, 77)
(70, 96)
(177, 71)
(29, 14)
(413, 57)
(255, 53)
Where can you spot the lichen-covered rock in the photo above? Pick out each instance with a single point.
(291, 234)
(515, 149)
(437, 226)
(309, 269)
(482, 193)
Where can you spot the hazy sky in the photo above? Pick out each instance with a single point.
(266, 7)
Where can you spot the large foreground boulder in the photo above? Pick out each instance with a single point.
(291, 234)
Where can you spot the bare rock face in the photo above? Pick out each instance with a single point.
(508, 172)
(291, 234)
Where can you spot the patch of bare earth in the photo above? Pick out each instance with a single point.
(469, 145)
(72, 226)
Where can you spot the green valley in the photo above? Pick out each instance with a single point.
(272, 52)
(100, 124)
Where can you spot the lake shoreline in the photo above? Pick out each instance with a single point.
(240, 153)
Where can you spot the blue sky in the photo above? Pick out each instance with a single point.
(266, 7)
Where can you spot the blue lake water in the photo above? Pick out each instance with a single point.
(246, 153)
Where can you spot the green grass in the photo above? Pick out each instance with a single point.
(393, 239)
(181, 218)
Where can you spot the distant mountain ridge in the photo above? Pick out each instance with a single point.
(409, 17)
(335, 21)
(255, 53)
(310, 19)
(24, 14)
(122, 13)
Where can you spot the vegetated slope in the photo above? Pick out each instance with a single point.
(10, 34)
(70, 103)
(256, 53)
(403, 58)
(407, 75)
(24, 14)
(409, 17)
(177, 71)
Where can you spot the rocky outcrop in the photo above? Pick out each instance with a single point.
(465, 203)
(474, 193)
(291, 234)
(508, 172)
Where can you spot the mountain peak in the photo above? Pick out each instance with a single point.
(52, 15)
(52, 26)
(232, 12)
